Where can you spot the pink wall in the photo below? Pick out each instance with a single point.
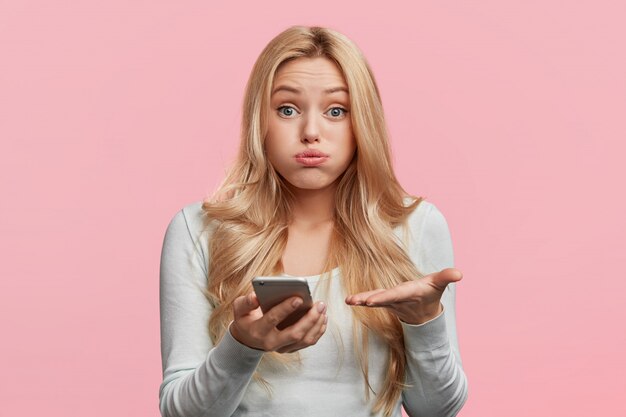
(509, 116)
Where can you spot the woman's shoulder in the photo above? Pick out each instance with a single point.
(190, 221)
(424, 221)
(429, 240)
(185, 238)
(424, 210)
(195, 215)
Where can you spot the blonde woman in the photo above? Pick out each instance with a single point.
(311, 194)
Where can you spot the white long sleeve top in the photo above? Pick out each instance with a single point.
(201, 379)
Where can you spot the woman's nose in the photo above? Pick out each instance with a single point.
(311, 131)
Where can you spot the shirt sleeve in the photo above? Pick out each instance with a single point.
(199, 379)
(437, 384)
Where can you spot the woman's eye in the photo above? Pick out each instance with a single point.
(287, 111)
(337, 112)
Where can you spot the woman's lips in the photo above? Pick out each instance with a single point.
(311, 158)
(311, 161)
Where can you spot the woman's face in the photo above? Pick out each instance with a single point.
(309, 139)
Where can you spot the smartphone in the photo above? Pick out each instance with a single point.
(271, 291)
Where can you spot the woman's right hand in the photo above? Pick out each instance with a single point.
(257, 330)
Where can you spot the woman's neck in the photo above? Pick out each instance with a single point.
(312, 207)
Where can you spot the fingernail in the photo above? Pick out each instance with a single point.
(296, 303)
(321, 307)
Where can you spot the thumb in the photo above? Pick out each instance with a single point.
(446, 276)
(253, 302)
(245, 304)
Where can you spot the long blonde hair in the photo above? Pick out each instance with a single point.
(250, 211)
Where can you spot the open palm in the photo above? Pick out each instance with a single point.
(414, 302)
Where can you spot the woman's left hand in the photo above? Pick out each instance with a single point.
(414, 302)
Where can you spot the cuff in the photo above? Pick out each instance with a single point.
(426, 336)
(235, 356)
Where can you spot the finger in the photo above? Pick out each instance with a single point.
(314, 334)
(279, 312)
(298, 331)
(359, 299)
(244, 304)
(406, 292)
(311, 338)
(393, 295)
(444, 277)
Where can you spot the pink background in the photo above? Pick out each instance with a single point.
(509, 116)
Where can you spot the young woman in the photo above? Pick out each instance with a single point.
(312, 194)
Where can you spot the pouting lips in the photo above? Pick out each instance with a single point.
(311, 160)
(311, 153)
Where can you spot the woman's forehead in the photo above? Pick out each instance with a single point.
(318, 73)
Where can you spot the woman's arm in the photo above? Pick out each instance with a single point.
(199, 379)
(434, 373)
(438, 385)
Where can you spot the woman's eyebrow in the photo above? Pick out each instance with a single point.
(298, 91)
